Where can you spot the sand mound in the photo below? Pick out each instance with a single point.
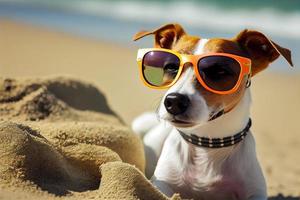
(60, 139)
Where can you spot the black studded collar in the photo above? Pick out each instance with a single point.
(217, 142)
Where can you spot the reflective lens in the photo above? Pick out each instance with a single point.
(160, 68)
(220, 73)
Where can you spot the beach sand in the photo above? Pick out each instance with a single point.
(28, 51)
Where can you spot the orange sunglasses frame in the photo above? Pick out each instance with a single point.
(245, 64)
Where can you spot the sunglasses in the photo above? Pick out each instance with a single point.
(220, 73)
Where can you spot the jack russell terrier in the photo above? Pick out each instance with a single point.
(199, 142)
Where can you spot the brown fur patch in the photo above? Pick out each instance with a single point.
(214, 100)
(217, 45)
(186, 44)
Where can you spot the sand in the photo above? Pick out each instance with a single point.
(52, 145)
(54, 115)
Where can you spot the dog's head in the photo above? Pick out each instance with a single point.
(187, 103)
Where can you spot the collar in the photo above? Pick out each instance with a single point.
(217, 142)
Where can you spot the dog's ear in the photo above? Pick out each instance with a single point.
(165, 36)
(261, 49)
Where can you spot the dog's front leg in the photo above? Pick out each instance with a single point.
(153, 143)
(153, 133)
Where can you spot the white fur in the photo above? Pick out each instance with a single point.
(144, 123)
(203, 173)
(198, 111)
(191, 170)
(228, 124)
(200, 46)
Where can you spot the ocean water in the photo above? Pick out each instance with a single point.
(117, 21)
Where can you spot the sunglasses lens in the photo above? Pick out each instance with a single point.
(160, 68)
(220, 73)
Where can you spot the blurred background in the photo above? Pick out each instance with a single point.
(91, 40)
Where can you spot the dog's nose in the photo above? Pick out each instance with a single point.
(176, 103)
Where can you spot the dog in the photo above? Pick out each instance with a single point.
(189, 115)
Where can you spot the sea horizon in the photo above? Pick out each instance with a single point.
(117, 21)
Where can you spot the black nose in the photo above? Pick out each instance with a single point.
(176, 103)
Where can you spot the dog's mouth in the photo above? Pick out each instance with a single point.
(184, 124)
(181, 123)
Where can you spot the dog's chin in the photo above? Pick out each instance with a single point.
(182, 124)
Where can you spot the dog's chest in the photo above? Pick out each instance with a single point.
(203, 173)
(211, 177)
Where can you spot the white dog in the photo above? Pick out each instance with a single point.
(198, 143)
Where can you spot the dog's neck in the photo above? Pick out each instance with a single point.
(227, 124)
(205, 162)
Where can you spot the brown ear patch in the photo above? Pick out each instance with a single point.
(141, 34)
(261, 49)
(165, 36)
(286, 53)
